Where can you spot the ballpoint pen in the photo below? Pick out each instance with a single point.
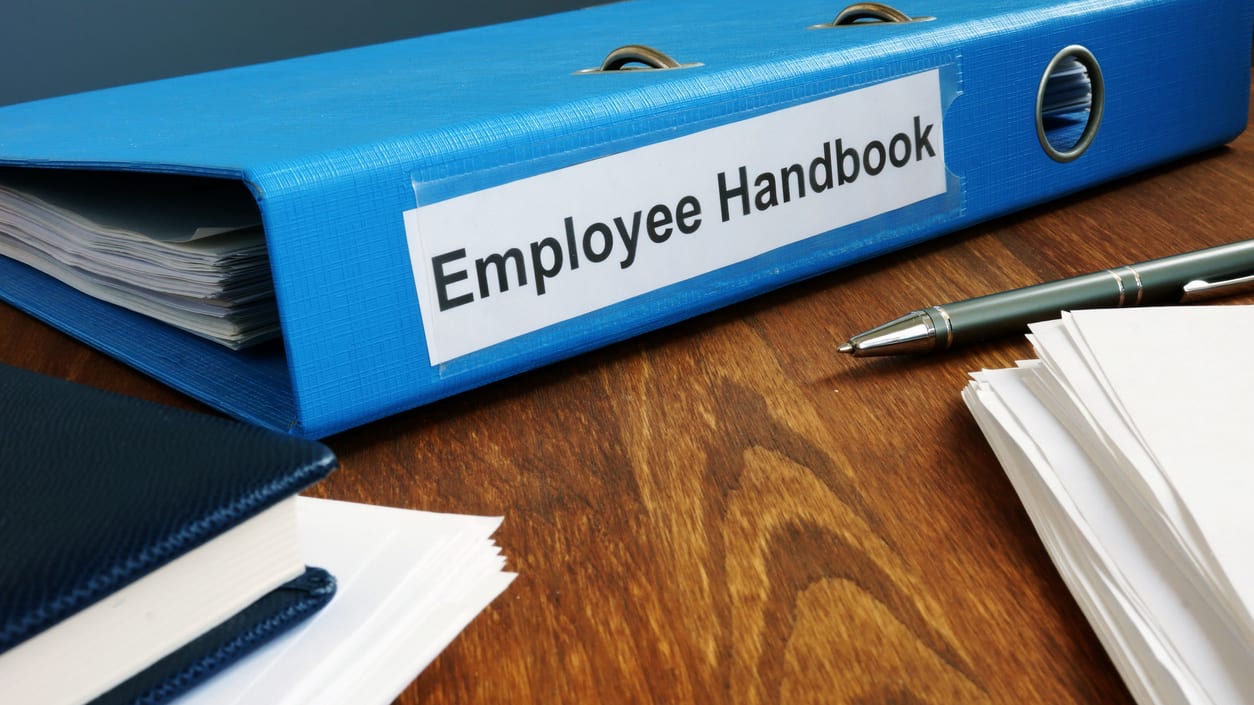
(1176, 279)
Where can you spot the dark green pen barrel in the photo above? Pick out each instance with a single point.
(1163, 279)
(1010, 312)
(1151, 283)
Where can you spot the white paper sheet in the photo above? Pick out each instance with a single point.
(408, 583)
(1131, 444)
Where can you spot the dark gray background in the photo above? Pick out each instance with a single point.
(54, 47)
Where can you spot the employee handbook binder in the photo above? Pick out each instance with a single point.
(145, 548)
(448, 210)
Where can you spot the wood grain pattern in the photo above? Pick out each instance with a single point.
(727, 511)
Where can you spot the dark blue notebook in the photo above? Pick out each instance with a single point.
(100, 493)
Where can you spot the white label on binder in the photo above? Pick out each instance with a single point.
(505, 261)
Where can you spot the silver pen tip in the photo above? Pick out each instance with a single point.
(846, 348)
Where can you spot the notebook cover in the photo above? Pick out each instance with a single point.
(265, 619)
(101, 489)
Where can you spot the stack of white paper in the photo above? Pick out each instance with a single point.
(192, 254)
(408, 582)
(1131, 443)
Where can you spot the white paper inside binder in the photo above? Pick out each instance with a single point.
(187, 251)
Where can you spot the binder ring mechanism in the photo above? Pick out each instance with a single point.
(1069, 103)
(636, 57)
(870, 13)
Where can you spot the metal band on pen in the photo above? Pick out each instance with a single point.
(949, 326)
(1139, 289)
(1136, 276)
(1119, 283)
(1122, 292)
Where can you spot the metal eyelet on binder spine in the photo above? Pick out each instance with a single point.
(1071, 85)
(877, 13)
(636, 57)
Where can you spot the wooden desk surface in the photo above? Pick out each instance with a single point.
(729, 511)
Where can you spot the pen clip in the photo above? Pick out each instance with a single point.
(1201, 290)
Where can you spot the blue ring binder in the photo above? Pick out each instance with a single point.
(336, 148)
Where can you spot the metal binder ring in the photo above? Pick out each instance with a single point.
(869, 11)
(1096, 101)
(882, 14)
(637, 54)
(622, 58)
